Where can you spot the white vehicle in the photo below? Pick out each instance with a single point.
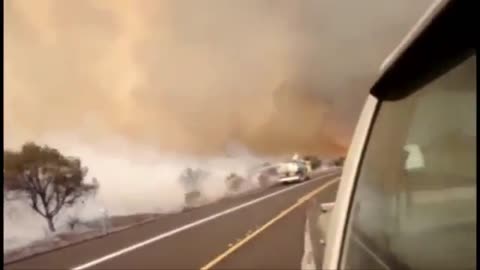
(407, 194)
(292, 172)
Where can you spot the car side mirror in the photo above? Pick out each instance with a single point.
(323, 220)
(318, 221)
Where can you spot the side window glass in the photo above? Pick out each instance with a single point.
(414, 205)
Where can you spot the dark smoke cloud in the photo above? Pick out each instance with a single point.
(193, 76)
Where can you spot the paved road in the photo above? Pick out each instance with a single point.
(192, 239)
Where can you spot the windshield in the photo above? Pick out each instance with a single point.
(414, 206)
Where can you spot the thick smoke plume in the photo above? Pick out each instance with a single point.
(133, 180)
(179, 81)
(191, 76)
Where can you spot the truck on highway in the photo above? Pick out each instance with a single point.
(407, 194)
(294, 171)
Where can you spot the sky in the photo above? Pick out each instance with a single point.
(195, 77)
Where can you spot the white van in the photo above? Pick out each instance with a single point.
(407, 195)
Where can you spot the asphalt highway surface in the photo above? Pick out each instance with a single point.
(262, 230)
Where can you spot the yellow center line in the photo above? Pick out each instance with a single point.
(249, 237)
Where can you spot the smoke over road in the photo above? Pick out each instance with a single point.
(133, 180)
(189, 76)
(179, 81)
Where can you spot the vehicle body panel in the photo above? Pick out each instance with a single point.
(435, 59)
(339, 214)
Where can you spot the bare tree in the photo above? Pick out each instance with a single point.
(50, 180)
(190, 178)
(234, 182)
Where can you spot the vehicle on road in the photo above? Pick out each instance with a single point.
(294, 171)
(407, 194)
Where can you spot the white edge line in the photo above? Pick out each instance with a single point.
(190, 225)
(308, 263)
